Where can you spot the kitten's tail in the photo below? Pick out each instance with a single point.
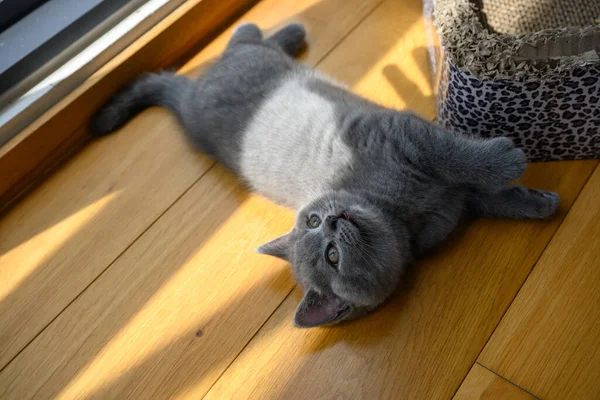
(163, 89)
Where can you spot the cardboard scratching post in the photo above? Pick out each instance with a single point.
(495, 76)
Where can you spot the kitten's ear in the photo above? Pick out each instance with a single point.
(316, 309)
(277, 247)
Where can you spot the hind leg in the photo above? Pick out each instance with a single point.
(246, 32)
(513, 201)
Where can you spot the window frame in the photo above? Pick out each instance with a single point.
(44, 61)
(37, 150)
(12, 11)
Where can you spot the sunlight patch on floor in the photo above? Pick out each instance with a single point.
(41, 247)
(279, 14)
(169, 320)
(394, 74)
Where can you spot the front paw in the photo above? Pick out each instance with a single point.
(547, 202)
(504, 161)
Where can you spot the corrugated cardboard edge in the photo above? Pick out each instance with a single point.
(541, 56)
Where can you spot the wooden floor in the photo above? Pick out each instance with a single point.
(131, 273)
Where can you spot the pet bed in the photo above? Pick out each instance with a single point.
(526, 69)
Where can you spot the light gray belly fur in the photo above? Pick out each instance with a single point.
(292, 149)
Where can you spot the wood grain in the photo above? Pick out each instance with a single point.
(60, 238)
(548, 341)
(386, 59)
(36, 151)
(172, 312)
(422, 344)
(482, 384)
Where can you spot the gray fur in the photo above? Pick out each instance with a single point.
(384, 187)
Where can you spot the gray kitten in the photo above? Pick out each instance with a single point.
(375, 188)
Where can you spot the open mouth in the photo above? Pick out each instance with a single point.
(347, 217)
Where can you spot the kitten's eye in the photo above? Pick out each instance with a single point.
(333, 256)
(313, 221)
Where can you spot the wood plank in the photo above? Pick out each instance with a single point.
(422, 344)
(136, 326)
(31, 155)
(482, 384)
(548, 341)
(65, 234)
(386, 59)
(59, 239)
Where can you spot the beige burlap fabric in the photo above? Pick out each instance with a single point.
(522, 16)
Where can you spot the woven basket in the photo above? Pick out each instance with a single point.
(494, 78)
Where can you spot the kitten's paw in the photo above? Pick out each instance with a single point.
(504, 161)
(246, 32)
(547, 203)
(245, 25)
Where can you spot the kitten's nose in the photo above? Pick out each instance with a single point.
(331, 223)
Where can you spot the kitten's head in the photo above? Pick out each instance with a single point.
(345, 253)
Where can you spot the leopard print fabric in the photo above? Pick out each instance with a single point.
(558, 119)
